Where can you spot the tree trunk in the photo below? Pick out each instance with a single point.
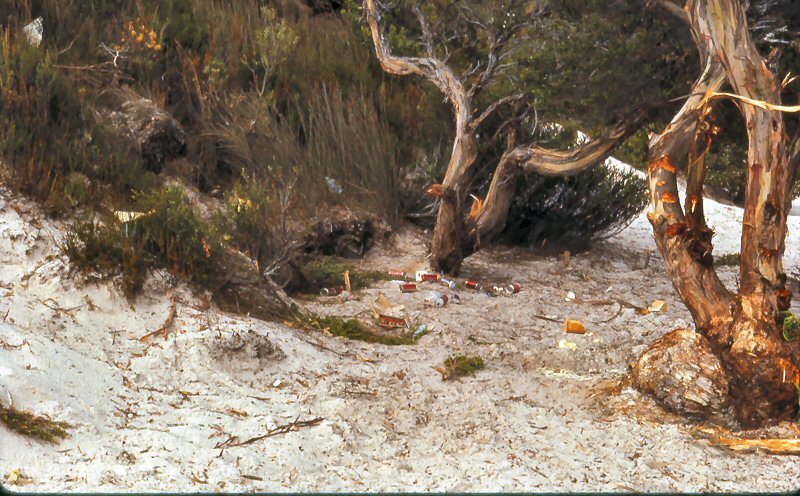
(743, 331)
(448, 234)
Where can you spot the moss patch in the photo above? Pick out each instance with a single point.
(355, 329)
(32, 425)
(461, 365)
(328, 272)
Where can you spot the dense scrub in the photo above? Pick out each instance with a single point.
(286, 114)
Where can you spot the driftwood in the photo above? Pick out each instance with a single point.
(282, 429)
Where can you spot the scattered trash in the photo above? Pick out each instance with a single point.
(422, 276)
(391, 322)
(399, 274)
(331, 291)
(34, 31)
(574, 327)
(569, 345)
(436, 298)
(658, 306)
(570, 296)
(333, 185)
(474, 285)
(450, 283)
(567, 257)
(343, 296)
(514, 288)
(408, 287)
(421, 330)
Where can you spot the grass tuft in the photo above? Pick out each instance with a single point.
(461, 366)
(31, 425)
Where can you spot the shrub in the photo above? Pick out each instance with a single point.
(168, 233)
(328, 273)
(461, 366)
(552, 213)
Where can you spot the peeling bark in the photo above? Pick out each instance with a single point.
(743, 330)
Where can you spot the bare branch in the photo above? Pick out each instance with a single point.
(494, 106)
(431, 68)
(427, 34)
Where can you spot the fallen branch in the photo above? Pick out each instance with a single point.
(775, 446)
(282, 429)
(164, 329)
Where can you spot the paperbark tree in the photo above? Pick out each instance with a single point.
(744, 330)
(456, 235)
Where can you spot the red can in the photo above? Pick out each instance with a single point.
(514, 288)
(474, 285)
(408, 288)
(397, 273)
(430, 277)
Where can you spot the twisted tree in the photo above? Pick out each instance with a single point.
(739, 356)
(457, 234)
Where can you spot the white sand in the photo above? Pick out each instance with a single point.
(147, 418)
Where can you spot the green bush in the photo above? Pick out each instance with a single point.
(168, 233)
(553, 213)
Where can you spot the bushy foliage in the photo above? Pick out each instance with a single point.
(165, 231)
(552, 213)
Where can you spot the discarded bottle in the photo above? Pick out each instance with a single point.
(474, 285)
(408, 287)
(450, 283)
(437, 299)
(331, 291)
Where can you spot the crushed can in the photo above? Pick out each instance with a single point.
(399, 274)
(408, 288)
(391, 322)
(474, 285)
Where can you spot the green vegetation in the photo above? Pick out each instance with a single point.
(31, 425)
(328, 272)
(355, 329)
(167, 232)
(461, 365)
(729, 259)
(791, 327)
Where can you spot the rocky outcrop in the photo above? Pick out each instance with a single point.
(144, 126)
(344, 233)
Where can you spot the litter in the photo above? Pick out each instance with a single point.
(437, 299)
(34, 31)
(391, 322)
(422, 330)
(408, 288)
(568, 345)
(570, 296)
(399, 274)
(450, 283)
(474, 285)
(658, 306)
(422, 276)
(331, 291)
(333, 186)
(574, 327)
